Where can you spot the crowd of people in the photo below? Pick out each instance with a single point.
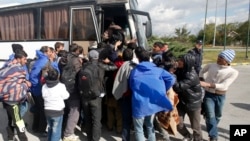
(119, 85)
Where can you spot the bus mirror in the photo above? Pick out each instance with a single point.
(148, 29)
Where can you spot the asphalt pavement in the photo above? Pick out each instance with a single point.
(236, 111)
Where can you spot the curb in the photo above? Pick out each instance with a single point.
(236, 64)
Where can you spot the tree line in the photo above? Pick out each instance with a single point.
(236, 33)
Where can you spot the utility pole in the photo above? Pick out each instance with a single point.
(215, 23)
(225, 32)
(248, 31)
(203, 43)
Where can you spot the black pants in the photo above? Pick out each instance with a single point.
(39, 121)
(14, 118)
(93, 113)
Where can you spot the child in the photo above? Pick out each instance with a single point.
(54, 93)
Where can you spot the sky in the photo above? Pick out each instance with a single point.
(167, 15)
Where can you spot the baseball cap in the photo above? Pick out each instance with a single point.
(199, 42)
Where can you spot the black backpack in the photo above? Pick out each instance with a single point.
(68, 74)
(90, 81)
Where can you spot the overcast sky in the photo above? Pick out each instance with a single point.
(170, 14)
(167, 15)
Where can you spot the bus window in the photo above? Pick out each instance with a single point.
(83, 25)
(55, 23)
(18, 25)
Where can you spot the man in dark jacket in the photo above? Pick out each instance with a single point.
(92, 104)
(73, 103)
(197, 53)
(189, 92)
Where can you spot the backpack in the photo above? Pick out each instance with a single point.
(12, 84)
(68, 74)
(90, 81)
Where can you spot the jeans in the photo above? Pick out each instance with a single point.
(126, 109)
(54, 130)
(138, 126)
(213, 111)
(93, 114)
(24, 108)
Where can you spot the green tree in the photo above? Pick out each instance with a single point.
(182, 34)
(243, 32)
(209, 33)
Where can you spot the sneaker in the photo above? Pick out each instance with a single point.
(71, 138)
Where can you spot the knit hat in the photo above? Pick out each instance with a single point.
(228, 55)
(16, 47)
(93, 54)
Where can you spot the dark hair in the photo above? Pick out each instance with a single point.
(170, 63)
(127, 54)
(44, 49)
(138, 50)
(16, 47)
(80, 49)
(159, 44)
(101, 45)
(58, 44)
(52, 49)
(131, 46)
(62, 53)
(167, 55)
(73, 47)
(52, 74)
(142, 54)
(116, 36)
(105, 52)
(20, 54)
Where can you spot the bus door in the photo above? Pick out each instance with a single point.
(140, 25)
(83, 27)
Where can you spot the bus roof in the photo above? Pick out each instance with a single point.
(18, 6)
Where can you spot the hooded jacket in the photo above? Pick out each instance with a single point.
(35, 73)
(149, 84)
(188, 84)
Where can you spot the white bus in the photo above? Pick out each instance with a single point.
(69, 21)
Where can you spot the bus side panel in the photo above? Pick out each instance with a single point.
(29, 47)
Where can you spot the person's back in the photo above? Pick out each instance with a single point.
(54, 93)
(148, 84)
(148, 76)
(91, 99)
(68, 77)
